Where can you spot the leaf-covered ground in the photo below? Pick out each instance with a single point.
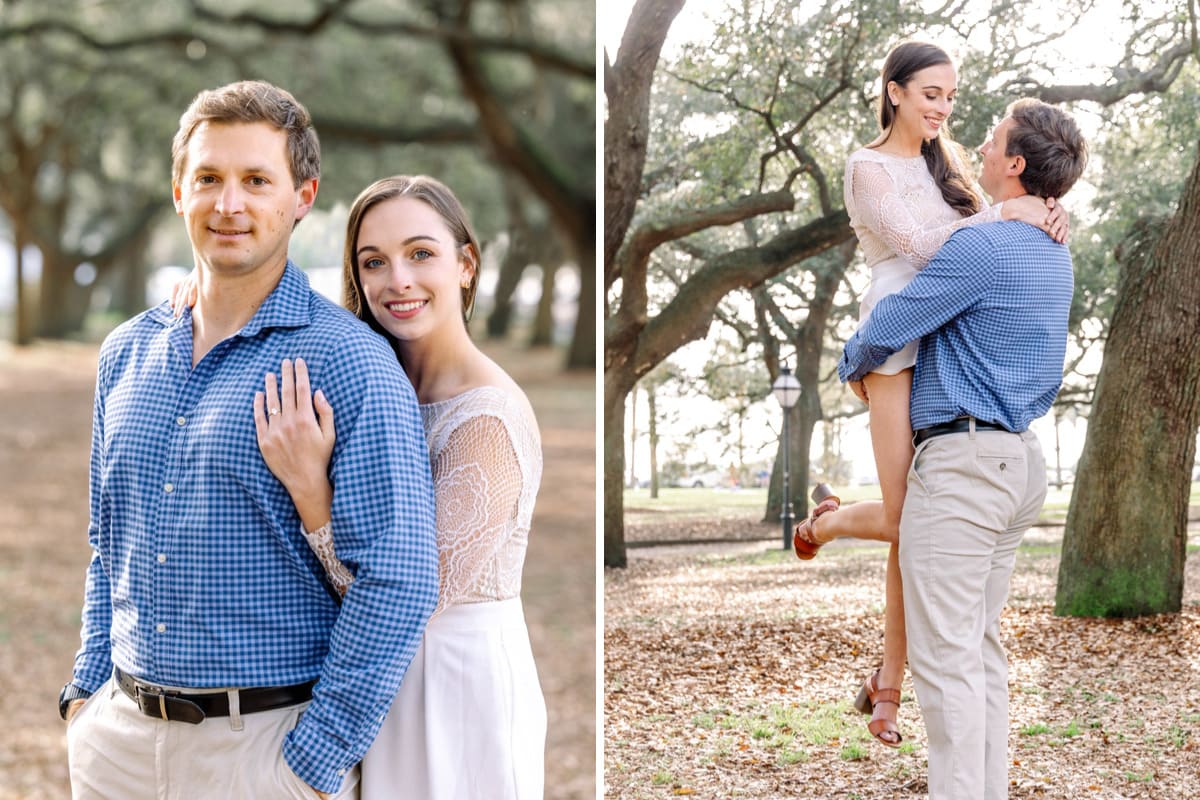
(46, 397)
(729, 671)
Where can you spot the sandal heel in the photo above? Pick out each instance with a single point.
(863, 701)
(822, 492)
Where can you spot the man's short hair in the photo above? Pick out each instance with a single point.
(1054, 150)
(253, 101)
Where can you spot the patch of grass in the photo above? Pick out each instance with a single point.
(706, 721)
(788, 757)
(852, 751)
(825, 723)
(761, 557)
(1071, 730)
(724, 747)
(1040, 550)
(1036, 729)
(907, 748)
(685, 502)
(1139, 777)
(1177, 736)
(662, 778)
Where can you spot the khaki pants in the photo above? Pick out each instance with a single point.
(115, 752)
(971, 497)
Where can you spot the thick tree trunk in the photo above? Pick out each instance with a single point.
(1126, 534)
(62, 303)
(627, 84)
(615, 392)
(652, 401)
(633, 434)
(516, 257)
(23, 322)
(801, 422)
(543, 319)
(582, 354)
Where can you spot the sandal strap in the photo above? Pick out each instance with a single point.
(886, 696)
(878, 726)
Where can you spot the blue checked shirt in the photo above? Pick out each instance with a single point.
(200, 576)
(991, 312)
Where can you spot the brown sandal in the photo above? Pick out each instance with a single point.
(802, 536)
(870, 696)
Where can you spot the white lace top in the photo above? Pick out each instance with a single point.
(897, 210)
(486, 456)
(901, 220)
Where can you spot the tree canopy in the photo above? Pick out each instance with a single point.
(495, 98)
(736, 212)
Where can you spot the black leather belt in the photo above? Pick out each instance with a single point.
(168, 704)
(960, 425)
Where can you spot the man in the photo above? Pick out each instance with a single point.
(205, 619)
(990, 311)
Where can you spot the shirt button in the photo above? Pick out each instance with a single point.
(168, 487)
(162, 558)
(161, 627)
(181, 421)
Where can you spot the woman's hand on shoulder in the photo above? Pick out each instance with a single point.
(1058, 223)
(185, 294)
(1048, 215)
(295, 430)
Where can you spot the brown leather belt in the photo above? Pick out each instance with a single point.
(162, 703)
(959, 425)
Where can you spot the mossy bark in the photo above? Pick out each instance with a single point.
(1126, 533)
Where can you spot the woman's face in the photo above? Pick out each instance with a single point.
(410, 268)
(925, 102)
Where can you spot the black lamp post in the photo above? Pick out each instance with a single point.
(787, 391)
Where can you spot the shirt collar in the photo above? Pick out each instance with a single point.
(286, 306)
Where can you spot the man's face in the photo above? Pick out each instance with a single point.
(997, 167)
(237, 197)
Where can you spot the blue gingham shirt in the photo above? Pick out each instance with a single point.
(991, 312)
(200, 576)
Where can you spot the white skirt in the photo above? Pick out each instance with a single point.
(888, 277)
(469, 721)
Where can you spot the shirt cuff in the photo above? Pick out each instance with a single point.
(92, 674)
(314, 761)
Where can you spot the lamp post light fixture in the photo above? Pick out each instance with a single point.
(787, 391)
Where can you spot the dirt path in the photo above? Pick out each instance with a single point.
(46, 399)
(729, 672)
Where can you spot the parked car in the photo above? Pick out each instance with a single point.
(709, 479)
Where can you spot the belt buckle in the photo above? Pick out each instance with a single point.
(145, 700)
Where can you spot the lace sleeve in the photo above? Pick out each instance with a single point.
(477, 486)
(321, 542)
(883, 210)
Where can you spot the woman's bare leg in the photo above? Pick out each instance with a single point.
(891, 440)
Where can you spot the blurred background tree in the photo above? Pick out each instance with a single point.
(495, 98)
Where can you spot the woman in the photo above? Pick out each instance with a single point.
(905, 192)
(469, 719)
